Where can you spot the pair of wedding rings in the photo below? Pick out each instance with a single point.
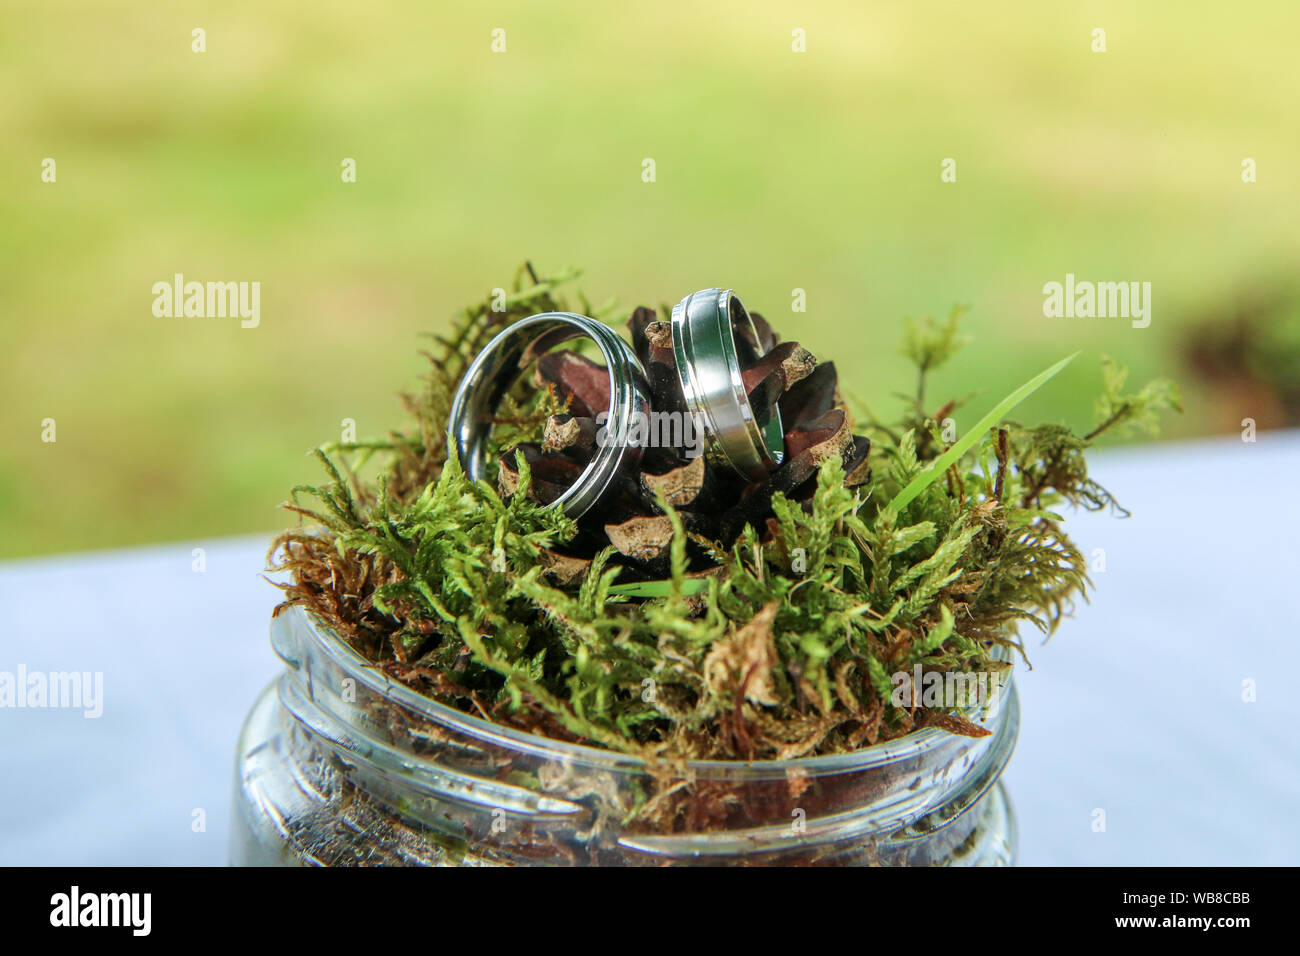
(714, 340)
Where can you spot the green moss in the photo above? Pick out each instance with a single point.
(782, 644)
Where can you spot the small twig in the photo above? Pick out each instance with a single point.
(1003, 455)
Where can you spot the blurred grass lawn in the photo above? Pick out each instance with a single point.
(775, 170)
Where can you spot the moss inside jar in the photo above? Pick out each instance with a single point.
(810, 667)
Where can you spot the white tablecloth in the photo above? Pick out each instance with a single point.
(1135, 708)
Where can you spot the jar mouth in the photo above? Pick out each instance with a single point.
(295, 624)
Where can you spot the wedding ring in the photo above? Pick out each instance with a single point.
(499, 365)
(713, 340)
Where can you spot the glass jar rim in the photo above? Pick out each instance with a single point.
(886, 752)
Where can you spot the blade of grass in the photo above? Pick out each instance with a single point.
(658, 589)
(962, 445)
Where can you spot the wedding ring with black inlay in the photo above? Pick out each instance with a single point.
(714, 340)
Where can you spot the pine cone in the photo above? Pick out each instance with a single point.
(714, 502)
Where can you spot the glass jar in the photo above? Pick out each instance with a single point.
(338, 765)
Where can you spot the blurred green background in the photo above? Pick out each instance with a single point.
(775, 170)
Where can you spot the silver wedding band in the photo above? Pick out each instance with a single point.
(713, 340)
(499, 365)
